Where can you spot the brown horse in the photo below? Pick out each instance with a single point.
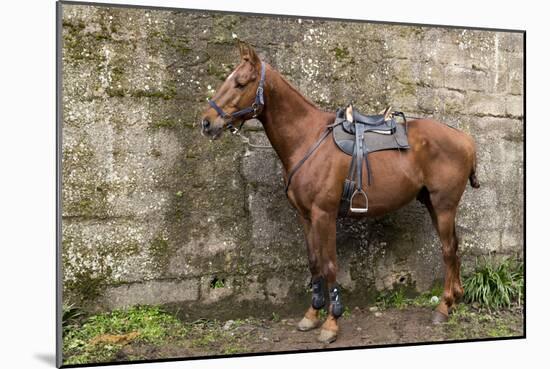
(435, 170)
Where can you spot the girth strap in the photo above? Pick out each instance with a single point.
(359, 152)
(349, 186)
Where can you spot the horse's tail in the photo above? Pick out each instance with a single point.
(473, 178)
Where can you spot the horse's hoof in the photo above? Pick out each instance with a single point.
(307, 324)
(327, 336)
(438, 317)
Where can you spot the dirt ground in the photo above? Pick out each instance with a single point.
(358, 327)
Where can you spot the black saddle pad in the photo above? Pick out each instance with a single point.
(374, 141)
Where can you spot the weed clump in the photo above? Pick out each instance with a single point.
(494, 285)
(98, 337)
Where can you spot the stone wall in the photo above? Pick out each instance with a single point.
(154, 213)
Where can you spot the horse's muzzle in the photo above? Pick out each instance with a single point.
(210, 129)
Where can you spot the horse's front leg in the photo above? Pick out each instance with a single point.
(323, 237)
(311, 318)
(326, 233)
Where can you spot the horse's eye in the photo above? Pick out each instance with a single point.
(239, 86)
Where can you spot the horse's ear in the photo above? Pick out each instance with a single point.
(248, 53)
(241, 45)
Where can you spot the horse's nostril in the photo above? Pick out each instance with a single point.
(205, 123)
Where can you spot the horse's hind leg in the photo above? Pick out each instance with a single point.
(311, 318)
(443, 218)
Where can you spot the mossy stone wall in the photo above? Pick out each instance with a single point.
(155, 213)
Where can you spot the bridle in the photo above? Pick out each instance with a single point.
(255, 108)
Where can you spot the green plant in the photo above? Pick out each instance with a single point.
(494, 286)
(229, 350)
(100, 336)
(395, 298)
(72, 315)
(275, 317)
(427, 299)
(347, 313)
(217, 283)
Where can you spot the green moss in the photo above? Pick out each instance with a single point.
(89, 198)
(85, 286)
(406, 89)
(222, 29)
(74, 25)
(220, 71)
(156, 153)
(341, 53)
(159, 249)
(165, 123)
(452, 107)
(115, 92)
(129, 249)
(408, 31)
(167, 93)
(117, 74)
(80, 46)
(179, 45)
(477, 68)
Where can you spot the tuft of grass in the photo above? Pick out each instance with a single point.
(347, 313)
(100, 336)
(275, 317)
(495, 285)
(395, 298)
(72, 315)
(426, 299)
(217, 283)
(236, 349)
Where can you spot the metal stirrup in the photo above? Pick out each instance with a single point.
(359, 191)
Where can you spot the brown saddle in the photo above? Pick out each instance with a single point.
(358, 135)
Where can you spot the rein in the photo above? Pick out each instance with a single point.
(255, 108)
(311, 150)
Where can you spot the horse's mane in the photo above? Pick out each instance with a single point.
(291, 87)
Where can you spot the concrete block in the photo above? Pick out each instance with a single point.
(151, 293)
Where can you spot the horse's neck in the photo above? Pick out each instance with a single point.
(291, 122)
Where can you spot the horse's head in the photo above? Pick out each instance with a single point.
(239, 98)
